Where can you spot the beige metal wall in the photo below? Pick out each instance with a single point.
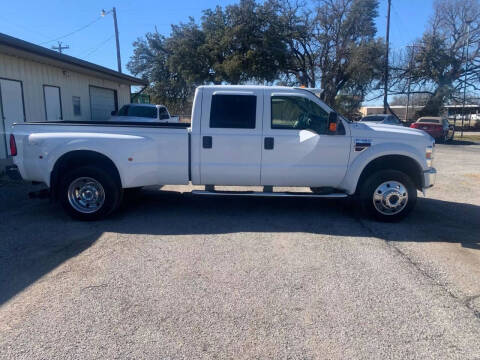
(34, 75)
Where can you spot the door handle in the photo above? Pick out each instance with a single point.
(207, 142)
(268, 143)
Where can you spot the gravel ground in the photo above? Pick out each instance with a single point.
(173, 276)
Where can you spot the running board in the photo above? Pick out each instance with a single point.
(269, 194)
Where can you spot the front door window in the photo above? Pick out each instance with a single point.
(298, 113)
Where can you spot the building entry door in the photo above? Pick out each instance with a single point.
(11, 110)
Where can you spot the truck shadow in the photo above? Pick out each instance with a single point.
(181, 214)
(38, 237)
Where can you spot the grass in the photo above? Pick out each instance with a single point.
(469, 137)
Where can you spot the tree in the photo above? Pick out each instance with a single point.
(439, 64)
(415, 99)
(239, 44)
(350, 58)
(331, 45)
(151, 60)
(245, 42)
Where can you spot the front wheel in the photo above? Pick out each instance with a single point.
(388, 195)
(89, 193)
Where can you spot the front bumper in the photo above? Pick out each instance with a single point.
(429, 178)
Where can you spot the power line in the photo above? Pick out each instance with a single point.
(99, 46)
(36, 32)
(73, 32)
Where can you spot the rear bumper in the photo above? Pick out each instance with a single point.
(429, 178)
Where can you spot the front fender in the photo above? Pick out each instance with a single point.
(360, 162)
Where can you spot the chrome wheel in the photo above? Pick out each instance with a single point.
(390, 197)
(86, 195)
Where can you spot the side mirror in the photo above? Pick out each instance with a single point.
(113, 113)
(332, 122)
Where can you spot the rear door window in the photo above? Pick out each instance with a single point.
(233, 111)
(163, 113)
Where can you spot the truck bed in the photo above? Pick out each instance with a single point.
(108, 123)
(144, 153)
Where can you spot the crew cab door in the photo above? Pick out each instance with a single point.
(297, 149)
(231, 137)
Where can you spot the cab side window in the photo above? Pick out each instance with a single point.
(298, 113)
(233, 111)
(162, 112)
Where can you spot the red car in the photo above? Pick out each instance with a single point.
(437, 127)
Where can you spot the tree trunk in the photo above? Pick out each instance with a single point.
(434, 105)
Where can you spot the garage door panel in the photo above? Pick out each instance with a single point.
(102, 103)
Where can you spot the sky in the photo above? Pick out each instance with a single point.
(41, 22)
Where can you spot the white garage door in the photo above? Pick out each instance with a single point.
(102, 103)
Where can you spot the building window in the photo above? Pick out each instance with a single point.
(233, 111)
(76, 106)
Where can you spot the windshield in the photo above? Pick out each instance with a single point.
(138, 111)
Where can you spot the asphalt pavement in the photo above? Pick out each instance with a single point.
(174, 276)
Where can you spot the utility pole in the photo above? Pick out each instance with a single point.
(385, 90)
(59, 48)
(117, 41)
(466, 46)
(409, 79)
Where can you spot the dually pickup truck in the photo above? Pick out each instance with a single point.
(239, 136)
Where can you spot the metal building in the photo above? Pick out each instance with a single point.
(38, 84)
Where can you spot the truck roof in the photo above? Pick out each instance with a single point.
(315, 91)
(250, 87)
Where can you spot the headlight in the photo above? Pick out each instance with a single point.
(429, 155)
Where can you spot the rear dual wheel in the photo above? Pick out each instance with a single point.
(89, 193)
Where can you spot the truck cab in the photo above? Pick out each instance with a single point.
(266, 136)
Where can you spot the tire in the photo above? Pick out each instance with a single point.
(89, 193)
(388, 195)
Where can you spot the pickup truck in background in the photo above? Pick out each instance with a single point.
(239, 136)
(143, 113)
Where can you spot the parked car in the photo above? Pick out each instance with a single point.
(239, 136)
(382, 119)
(439, 128)
(143, 113)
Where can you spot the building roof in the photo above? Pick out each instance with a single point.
(26, 49)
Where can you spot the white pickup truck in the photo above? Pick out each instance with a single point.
(143, 113)
(239, 136)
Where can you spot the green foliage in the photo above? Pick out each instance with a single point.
(330, 43)
(351, 58)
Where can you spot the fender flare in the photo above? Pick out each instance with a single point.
(374, 153)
